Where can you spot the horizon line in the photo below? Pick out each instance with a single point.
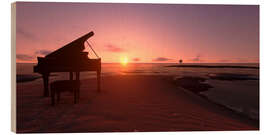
(163, 63)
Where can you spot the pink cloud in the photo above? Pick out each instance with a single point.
(113, 48)
(43, 52)
(136, 59)
(198, 58)
(162, 59)
(24, 57)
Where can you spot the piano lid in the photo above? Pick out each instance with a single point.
(73, 47)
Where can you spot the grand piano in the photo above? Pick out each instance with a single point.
(70, 58)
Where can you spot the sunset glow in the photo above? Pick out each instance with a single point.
(148, 33)
(124, 60)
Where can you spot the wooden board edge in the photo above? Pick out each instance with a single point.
(13, 67)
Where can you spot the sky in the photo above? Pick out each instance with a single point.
(141, 33)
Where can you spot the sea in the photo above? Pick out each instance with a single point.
(241, 96)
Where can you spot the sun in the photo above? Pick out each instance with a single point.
(124, 60)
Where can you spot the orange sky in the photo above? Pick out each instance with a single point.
(141, 32)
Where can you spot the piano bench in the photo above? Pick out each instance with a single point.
(64, 86)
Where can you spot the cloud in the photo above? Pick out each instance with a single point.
(161, 59)
(240, 60)
(136, 59)
(197, 58)
(26, 34)
(24, 57)
(113, 48)
(43, 52)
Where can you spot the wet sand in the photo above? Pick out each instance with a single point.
(125, 104)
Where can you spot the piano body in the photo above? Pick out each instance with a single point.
(70, 58)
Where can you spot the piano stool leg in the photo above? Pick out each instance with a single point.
(58, 96)
(46, 83)
(52, 96)
(78, 94)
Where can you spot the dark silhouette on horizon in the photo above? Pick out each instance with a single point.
(180, 61)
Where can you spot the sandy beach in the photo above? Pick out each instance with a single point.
(126, 103)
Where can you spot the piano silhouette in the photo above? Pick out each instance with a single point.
(70, 58)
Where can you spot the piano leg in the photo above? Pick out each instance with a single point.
(75, 96)
(70, 75)
(78, 90)
(45, 77)
(52, 96)
(98, 79)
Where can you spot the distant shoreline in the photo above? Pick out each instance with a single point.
(210, 66)
(21, 78)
